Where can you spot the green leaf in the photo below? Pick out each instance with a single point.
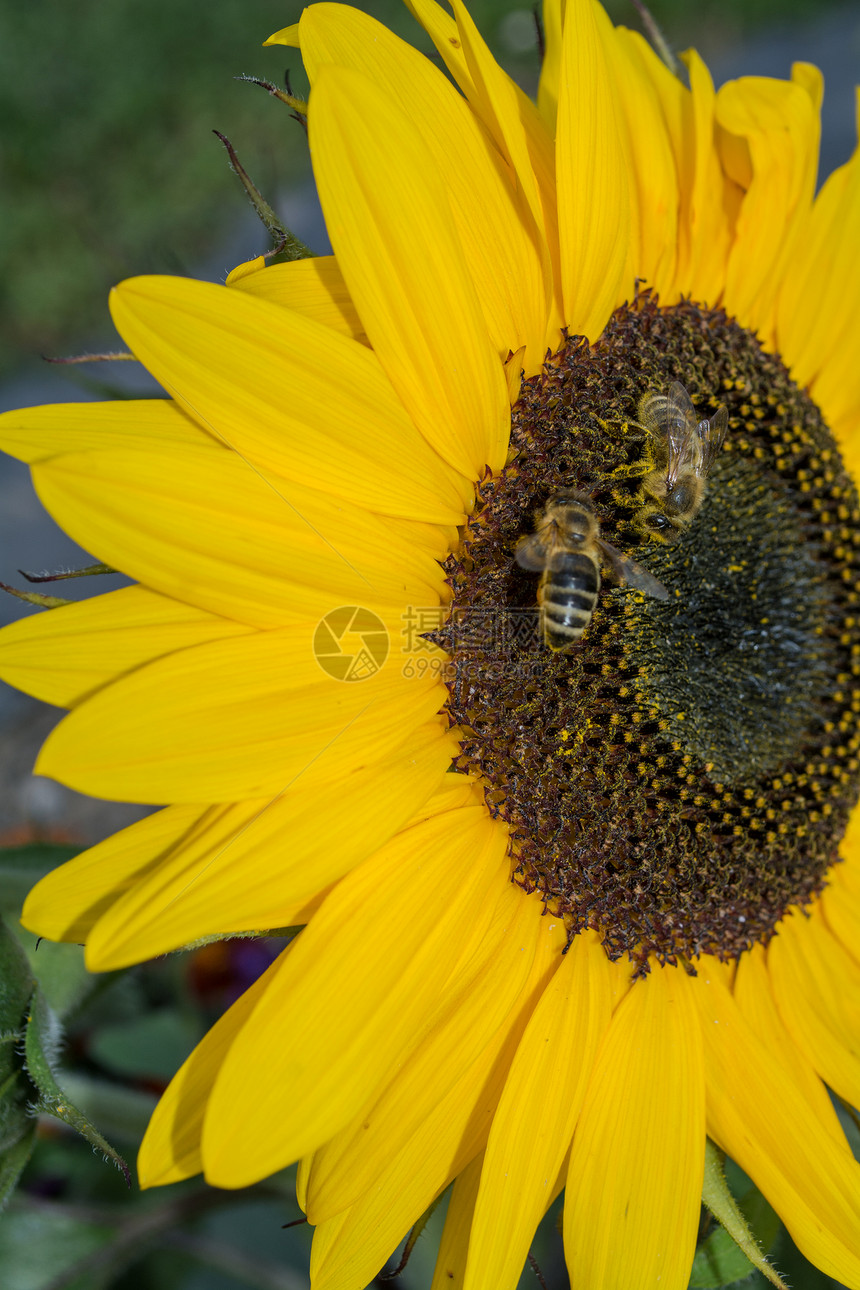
(16, 986)
(797, 1270)
(42, 1036)
(119, 1111)
(40, 1247)
(16, 1123)
(733, 1250)
(762, 1218)
(718, 1263)
(153, 1046)
(13, 1158)
(29, 1037)
(60, 971)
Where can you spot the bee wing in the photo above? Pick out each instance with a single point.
(542, 550)
(681, 432)
(532, 553)
(711, 435)
(631, 573)
(671, 420)
(651, 413)
(681, 404)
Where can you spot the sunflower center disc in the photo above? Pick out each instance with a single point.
(683, 773)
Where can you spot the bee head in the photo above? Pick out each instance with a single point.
(652, 522)
(575, 513)
(684, 497)
(570, 497)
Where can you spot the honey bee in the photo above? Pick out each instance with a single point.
(686, 448)
(566, 549)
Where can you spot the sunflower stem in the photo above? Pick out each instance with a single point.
(286, 243)
(411, 1240)
(533, 1264)
(299, 106)
(719, 1200)
(655, 35)
(64, 574)
(539, 31)
(34, 598)
(120, 357)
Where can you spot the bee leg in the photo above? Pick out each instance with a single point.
(635, 470)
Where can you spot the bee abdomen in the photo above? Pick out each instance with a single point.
(567, 598)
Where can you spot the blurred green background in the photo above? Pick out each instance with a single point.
(110, 168)
(109, 165)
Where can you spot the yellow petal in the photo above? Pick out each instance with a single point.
(817, 327)
(635, 1183)
(847, 875)
(778, 123)
(354, 997)
(534, 1124)
(313, 288)
(66, 903)
(759, 1115)
(62, 657)
(437, 539)
(840, 904)
(621, 979)
(716, 969)
(207, 528)
(247, 267)
(442, 30)
(646, 89)
(451, 793)
(302, 1172)
(450, 1267)
(170, 1149)
(849, 850)
(755, 998)
(232, 872)
(445, 1142)
(521, 137)
(504, 252)
(817, 988)
(32, 434)
(708, 199)
(593, 199)
(233, 719)
(286, 36)
(550, 72)
(287, 394)
(476, 1003)
(403, 261)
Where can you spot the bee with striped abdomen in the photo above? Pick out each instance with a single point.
(566, 549)
(685, 447)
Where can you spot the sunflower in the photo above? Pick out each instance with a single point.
(566, 914)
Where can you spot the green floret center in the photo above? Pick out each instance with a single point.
(683, 774)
